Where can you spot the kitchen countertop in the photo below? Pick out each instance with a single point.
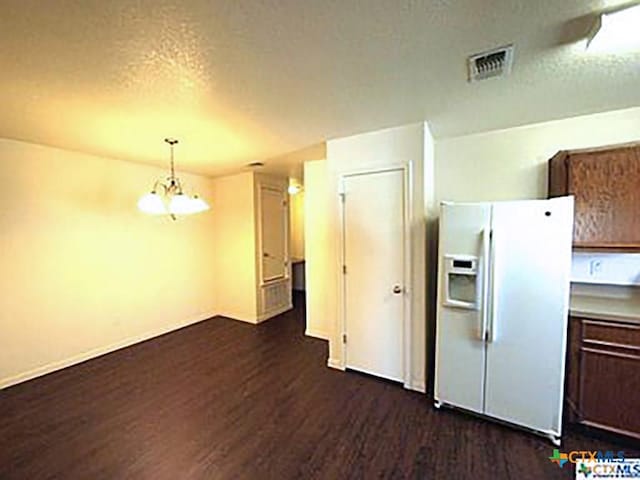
(604, 308)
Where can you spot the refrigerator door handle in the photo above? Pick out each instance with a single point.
(484, 315)
(493, 295)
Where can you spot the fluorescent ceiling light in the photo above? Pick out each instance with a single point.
(617, 31)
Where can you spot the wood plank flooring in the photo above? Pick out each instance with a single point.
(226, 400)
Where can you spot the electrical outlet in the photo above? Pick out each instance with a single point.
(595, 267)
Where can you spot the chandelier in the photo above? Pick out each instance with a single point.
(167, 197)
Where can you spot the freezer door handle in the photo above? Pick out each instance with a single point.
(484, 314)
(493, 294)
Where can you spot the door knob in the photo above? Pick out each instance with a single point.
(397, 289)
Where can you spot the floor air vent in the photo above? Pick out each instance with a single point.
(491, 64)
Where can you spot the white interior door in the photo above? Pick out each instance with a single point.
(531, 253)
(460, 347)
(374, 256)
(273, 230)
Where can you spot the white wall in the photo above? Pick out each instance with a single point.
(296, 224)
(235, 240)
(84, 272)
(512, 164)
(382, 148)
(318, 271)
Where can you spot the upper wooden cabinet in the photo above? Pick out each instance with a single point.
(606, 186)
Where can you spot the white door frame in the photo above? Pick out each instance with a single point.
(405, 168)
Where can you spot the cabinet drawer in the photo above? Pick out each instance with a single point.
(611, 334)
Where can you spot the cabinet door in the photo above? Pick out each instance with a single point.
(610, 376)
(606, 185)
(610, 390)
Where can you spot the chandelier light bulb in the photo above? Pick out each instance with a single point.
(152, 204)
(180, 204)
(198, 205)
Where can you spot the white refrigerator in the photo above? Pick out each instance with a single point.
(503, 300)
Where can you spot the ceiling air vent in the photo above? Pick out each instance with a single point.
(490, 64)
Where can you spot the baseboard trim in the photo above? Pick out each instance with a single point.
(98, 352)
(274, 313)
(335, 363)
(316, 334)
(238, 318)
(254, 320)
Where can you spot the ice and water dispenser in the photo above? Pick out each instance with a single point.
(462, 288)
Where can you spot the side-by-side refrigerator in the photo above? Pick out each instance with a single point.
(503, 302)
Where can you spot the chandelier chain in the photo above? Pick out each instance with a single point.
(172, 142)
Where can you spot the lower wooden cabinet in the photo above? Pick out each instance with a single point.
(603, 378)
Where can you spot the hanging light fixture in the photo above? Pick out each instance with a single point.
(168, 198)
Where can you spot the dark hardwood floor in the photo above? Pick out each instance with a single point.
(224, 399)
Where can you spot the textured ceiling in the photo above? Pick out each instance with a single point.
(244, 80)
